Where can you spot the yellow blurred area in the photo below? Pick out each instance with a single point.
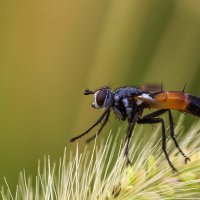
(50, 51)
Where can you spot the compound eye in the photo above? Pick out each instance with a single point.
(100, 97)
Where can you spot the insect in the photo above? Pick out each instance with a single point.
(128, 103)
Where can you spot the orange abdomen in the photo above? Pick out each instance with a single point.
(172, 100)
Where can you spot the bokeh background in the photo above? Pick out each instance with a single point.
(50, 51)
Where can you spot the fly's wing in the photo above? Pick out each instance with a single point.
(151, 88)
(149, 91)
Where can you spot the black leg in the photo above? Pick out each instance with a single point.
(154, 114)
(95, 124)
(129, 135)
(154, 121)
(173, 136)
(171, 124)
(101, 128)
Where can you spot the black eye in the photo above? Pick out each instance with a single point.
(101, 96)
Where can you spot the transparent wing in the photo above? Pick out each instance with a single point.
(151, 88)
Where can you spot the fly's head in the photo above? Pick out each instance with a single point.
(103, 97)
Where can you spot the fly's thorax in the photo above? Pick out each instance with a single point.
(103, 98)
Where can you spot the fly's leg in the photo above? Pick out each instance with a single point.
(129, 135)
(95, 124)
(173, 136)
(171, 124)
(101, 128)
(155, 120)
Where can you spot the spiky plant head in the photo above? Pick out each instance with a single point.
(100, 175)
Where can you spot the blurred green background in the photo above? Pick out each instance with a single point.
(50, 51)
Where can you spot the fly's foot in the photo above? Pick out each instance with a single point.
(187, 160)
(128, 162)
(174, 170)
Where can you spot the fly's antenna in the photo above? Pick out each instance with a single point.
(184, 87)
(88, 92)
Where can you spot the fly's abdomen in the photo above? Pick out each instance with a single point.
(172, 100)
(178, 101)
(194, 105)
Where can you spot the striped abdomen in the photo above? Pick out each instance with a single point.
(177, 101)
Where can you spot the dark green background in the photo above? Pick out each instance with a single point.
(50, 51)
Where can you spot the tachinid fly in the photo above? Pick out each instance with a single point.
(128, 103)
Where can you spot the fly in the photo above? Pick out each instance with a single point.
(128, 103)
